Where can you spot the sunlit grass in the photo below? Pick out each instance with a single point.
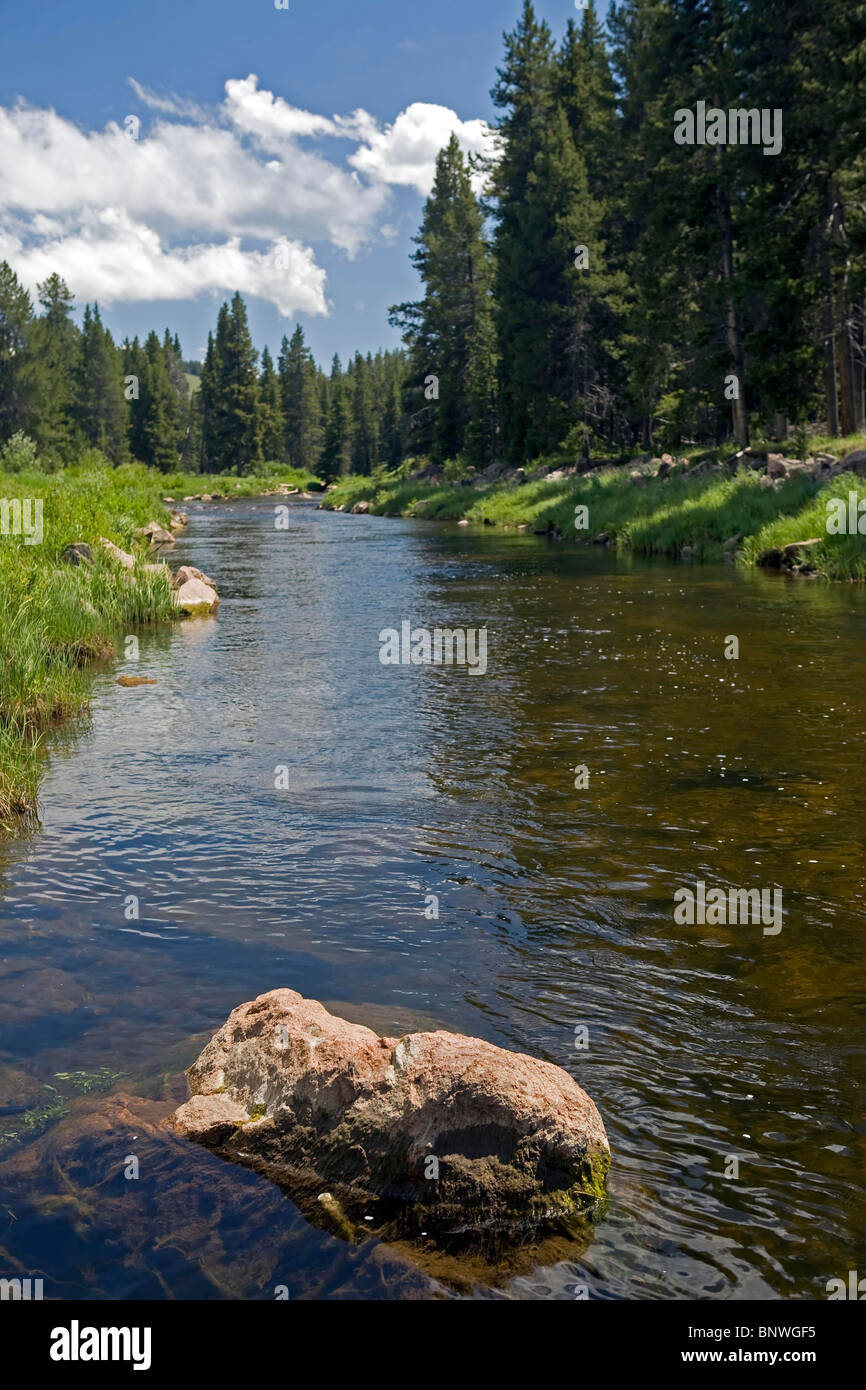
(56, 618)
(704, 516)
(272, 476)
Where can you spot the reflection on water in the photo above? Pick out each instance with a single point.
(555, 904)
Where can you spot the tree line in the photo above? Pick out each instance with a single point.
(592, 284)
(616, 286)
(69, 388)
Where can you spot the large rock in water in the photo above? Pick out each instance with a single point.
(196, 598)
(430, 1130)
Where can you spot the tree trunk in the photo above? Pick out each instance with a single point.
(829, 327)
(858, 366)
(733, 327)
(844, 311)
(846, 371)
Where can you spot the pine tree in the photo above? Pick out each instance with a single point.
(212, 427)
(100, 400)
(445, 329)
(17, 386)
(557, 303)
(391, 430)
(231, 419)
(526, 91)
(365, 426)
(273, 424)
(56, 345)
(337, 443)
(302, 412)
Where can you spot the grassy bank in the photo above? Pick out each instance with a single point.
(56, 618)
(189, 485)
(699, 516)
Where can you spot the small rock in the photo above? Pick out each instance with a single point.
(855, 462)
(733, 541)
(121, 556)
(360, 509)
(463, 521)
(79, 553)
(771, 559)
(187, 572)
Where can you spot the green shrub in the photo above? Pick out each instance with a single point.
(19, 454)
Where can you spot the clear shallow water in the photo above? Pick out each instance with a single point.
(556, 904)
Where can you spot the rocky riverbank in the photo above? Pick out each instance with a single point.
(699, 508)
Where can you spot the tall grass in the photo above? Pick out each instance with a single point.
(703, 516)
(56, 618)
(270, 477)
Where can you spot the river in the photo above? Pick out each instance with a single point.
(555, 902)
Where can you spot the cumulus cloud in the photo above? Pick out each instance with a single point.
(406, 151)
(230, 198)
(273, 121)
(110, 257)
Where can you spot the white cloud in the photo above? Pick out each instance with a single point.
(231, 198)
(273, 121)
(173, 104)
(110, 257)
(405, 152)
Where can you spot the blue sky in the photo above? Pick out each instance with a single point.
(256, 186)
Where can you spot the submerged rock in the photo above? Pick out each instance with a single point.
(433, 1132)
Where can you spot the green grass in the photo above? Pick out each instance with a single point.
(702, 516)
(56, 618)
(181, 485)
(839, 557)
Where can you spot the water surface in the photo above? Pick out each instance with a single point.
(555, 903)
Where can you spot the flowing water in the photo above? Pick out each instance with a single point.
(555, 902)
